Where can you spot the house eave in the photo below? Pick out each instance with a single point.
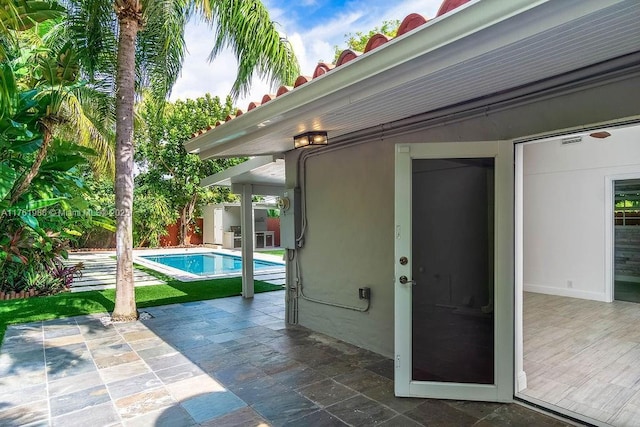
(427, 51)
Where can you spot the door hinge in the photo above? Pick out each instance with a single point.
(397, 361)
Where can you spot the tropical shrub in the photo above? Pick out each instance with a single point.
(38, 218)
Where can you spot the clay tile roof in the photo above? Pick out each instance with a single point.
(346, 56)
(449, 5)
(409, 23)
(282, 90)
(267, 97)
(302, 80)
(322, 68)
(375, 41)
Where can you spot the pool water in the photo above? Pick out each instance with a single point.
(209, 263)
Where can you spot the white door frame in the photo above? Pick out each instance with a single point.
(503, 389)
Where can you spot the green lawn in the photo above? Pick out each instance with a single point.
(279, 252)
(74, 304)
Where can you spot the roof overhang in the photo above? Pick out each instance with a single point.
(485, 47)
(266, 175)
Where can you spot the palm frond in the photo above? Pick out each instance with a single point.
(246, 28)
(161, 46)
(79, 127)
(92, 25)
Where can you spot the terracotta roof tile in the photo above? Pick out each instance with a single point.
(282, 90)
(302, 80)
(409, 23)
(346, 56)
(322, 68)
(375, 41)
(267, 97)
(449, 5)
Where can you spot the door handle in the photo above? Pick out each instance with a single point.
(404, 280)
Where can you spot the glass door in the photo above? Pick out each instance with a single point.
(454, 270)
(626, 240)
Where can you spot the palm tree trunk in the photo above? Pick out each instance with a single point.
(35, 166)
(125, 306)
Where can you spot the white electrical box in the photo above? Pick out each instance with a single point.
(290, 219)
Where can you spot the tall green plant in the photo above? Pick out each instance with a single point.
(35, 227)
(17, 16)
(169, 171)
(41, 193)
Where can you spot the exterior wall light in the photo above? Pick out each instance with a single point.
(312, 138)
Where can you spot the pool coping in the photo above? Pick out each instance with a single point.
(184, 276)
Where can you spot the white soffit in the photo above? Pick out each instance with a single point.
(263, 170)
(483, 48)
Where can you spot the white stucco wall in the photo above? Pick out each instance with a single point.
(208, 224)
(564, 211)
(260, 219)
(230, 217)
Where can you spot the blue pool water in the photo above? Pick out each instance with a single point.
(209, 263)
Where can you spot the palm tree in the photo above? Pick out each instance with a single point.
(66, 103)
(150, 49)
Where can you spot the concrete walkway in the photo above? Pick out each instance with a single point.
(225, 362)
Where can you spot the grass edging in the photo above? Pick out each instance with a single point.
(78, 303)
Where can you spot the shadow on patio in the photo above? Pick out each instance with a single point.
(223, 362)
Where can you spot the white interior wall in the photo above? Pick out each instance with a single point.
(564, 220)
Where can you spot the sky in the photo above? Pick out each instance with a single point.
(313, 27)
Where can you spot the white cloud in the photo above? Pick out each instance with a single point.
(310, 45)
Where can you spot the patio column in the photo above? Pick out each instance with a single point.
(246, 217)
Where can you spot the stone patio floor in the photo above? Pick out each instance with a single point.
(224, 362)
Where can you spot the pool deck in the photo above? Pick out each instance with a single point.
(99, 270)
(224, 362)
(187, 277)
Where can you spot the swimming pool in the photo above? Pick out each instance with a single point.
(210, 263)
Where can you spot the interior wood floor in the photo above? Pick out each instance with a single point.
(584, 356)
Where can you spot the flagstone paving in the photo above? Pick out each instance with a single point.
(225, 362)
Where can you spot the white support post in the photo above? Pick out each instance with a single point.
(246, 217)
